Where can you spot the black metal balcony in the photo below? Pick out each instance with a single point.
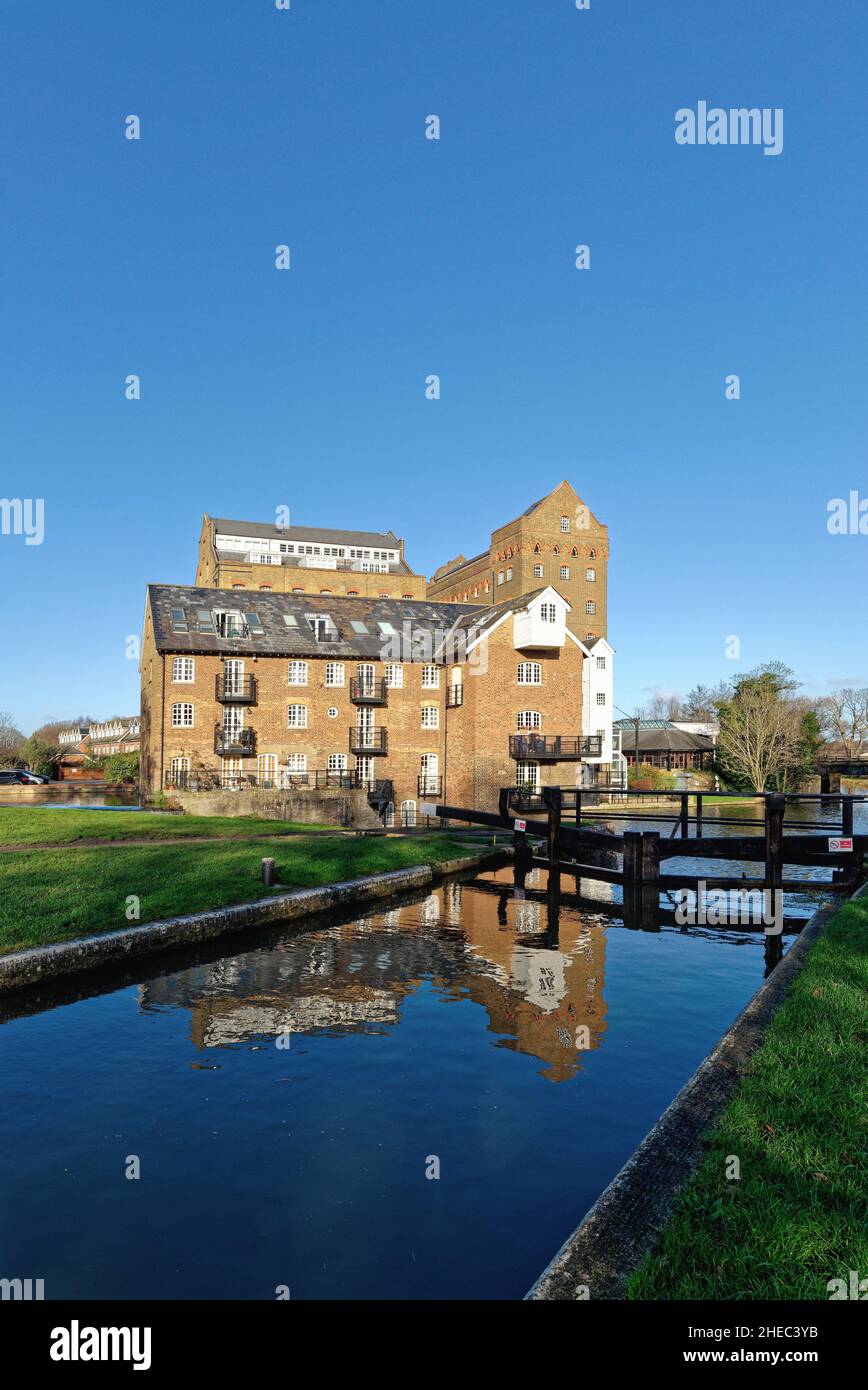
(454, 696)
(235, 690)
(429, 784)
(369, 741)
(368, 692)
(234, 743)
(554, 748)
(524, 799)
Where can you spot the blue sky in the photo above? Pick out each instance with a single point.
(306, 388)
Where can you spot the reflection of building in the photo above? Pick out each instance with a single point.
(537, 998)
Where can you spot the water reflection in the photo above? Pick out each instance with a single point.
(545, 1000)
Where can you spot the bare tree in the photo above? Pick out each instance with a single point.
(703, 701)
(11, 739)
(762, 728)
(843, 717)
(663, 706)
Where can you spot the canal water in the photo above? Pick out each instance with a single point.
(420, 1103)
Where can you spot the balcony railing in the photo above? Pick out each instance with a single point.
(237, 690)
(368, 692)
(210, 779)
(454, 696)
(234, 743)
(554, 748)
(527, 798)
(368, 741)
(429, 784)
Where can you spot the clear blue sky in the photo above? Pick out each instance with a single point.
(410, 257)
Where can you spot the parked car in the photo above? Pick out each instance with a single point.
(12, 777)
(38, 777)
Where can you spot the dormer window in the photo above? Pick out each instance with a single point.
(322, 627)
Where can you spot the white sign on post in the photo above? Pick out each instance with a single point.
(521, 825)
(840, 844)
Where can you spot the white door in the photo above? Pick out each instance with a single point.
(365, 769)
(233, 677)
(266, 769)
(365, 675)
(429, 774)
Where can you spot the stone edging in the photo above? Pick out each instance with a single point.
(623, 1224)
(40, 963)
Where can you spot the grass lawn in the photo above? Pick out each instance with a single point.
(53, 895)
(798, 1123)
(44, 825)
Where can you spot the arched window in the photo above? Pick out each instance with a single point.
(408, 813)
(557, 550)
(592, 554)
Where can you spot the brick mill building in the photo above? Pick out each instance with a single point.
(352, 676)
(557, 541)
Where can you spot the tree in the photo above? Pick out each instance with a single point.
(11, 739)
(843, 718)
(40, 756)
(49, 731)
(662, 706)
(702, 703)
(765, 736)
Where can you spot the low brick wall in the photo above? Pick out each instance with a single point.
(41, 963)
(328, 806)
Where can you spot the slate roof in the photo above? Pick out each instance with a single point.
(663, 740)
(272, 636)
(380, 540)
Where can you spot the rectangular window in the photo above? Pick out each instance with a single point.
(297, 673)
(601, 698)
(601, 663)
(529, 673)
(565, 571)
(537, 571)
(528, 719)
(183, 670)
(334, 673)
(548, 612)
(296, 717)
(590, 575)
(182, 716)
(395, 677)
(430, 678)
(565, 523)
(296, 763)
(430, 716)
(508, 574)
(336, 762)
(500, 577)
(590, 606)
(527, 775)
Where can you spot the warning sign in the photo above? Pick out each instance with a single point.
(521, 825)
(840, 845)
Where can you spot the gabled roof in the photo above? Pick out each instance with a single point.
(386, 540)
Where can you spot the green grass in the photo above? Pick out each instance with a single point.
(36, 825)
(52, 895)
(796, 1218)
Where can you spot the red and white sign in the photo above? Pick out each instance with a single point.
(521, 825)
(840, 845)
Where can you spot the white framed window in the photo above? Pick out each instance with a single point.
(395, 677)
(230, 772)
(429, 774)
(266, 767)
(296, 717)
(529, 673)
(334, 673)
(500, 576)
(178, 766)
(590, 606)
(183, 670)
(537, 571)
(548, 612)
(332, 712)
(336, 762)
(590, 575)
(527, 775)
(601, 697)
(565, 571)
(508, 573)
(528, 719)
(601, 663)
(430, 716)
(565, 523)
(296, 763)
(408, 813)
(430, 677)
(297, 673)
(182, 716)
